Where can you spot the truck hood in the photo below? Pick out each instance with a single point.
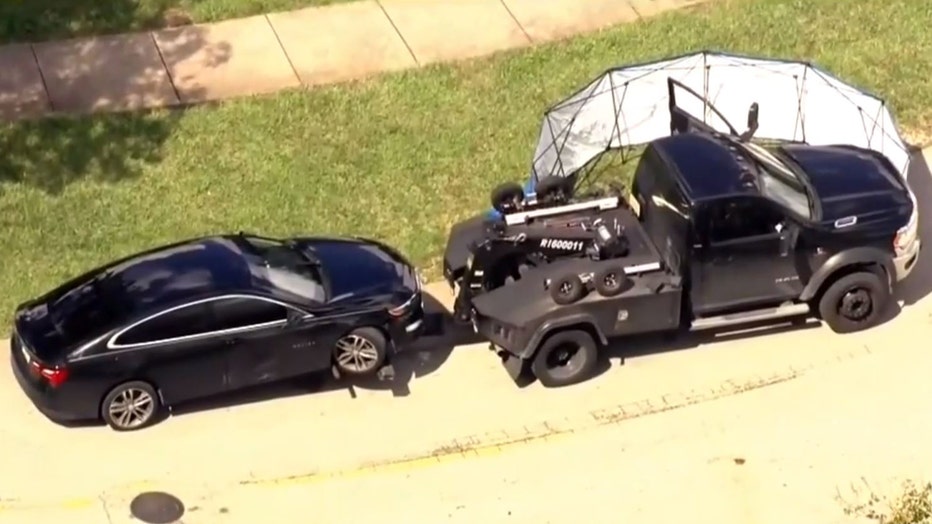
(850, 181)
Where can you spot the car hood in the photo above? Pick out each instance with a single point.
(850, 181)
(362, 268)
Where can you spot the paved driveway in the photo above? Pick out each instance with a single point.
(445, 401)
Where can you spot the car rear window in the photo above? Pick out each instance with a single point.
(89, 308)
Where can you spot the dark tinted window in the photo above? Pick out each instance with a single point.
(190, 320)
(739, 218)
(232, 313)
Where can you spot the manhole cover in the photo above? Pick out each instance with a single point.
(155, 507)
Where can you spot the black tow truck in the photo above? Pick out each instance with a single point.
(716, 231)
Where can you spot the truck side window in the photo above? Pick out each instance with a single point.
(734, 219)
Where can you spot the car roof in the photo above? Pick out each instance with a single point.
(707, 166)
(178, 272)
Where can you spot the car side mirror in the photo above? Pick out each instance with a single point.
(753, 114)
(292, 317)
(788, 234)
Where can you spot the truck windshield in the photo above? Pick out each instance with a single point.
(778, 182)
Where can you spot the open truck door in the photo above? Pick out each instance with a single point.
(682, 120)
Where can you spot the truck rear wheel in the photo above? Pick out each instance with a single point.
(565, 358)
(854, 302)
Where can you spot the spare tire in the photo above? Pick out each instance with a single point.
(610, 281)
(506, 197)
(567, 289)
(553, 190)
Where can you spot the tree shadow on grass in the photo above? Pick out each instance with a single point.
(50, 154)
(115, 77)
(40, 20)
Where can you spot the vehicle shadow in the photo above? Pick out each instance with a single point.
(654, 344)
(426, 355)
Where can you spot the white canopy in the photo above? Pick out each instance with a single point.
(798, 102)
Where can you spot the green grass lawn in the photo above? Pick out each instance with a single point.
(398, 158)
(39, 20)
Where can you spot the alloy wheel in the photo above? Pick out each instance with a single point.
(357, 354)
(132, 408)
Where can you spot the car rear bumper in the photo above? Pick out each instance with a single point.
(904, 265)
(48, 403)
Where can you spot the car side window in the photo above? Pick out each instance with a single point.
(181, 322)
(242, 312)
(734, 219)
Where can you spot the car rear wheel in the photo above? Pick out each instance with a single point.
(565, 358)
(361, 352)
(131, 406)
(854, 302)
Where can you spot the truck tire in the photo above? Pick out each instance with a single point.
(565, 358)
(610, 282)
(854, 302)
(506, 196)
(567, 289)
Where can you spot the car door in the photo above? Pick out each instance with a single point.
(270, 340)
(743, 257)
(176, 350)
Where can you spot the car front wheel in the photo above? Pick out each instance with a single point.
(363, 351)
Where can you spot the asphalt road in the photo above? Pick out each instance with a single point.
(453, 438)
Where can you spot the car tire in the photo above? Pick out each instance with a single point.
(565, 358)
(567, 289)
(505, 196)
(131, 406)
(854, 302)
(361, 352)
(611, 281)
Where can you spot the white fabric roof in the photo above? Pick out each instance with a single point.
(798, 102)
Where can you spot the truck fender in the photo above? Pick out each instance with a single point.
(860, 256)
(581, 320)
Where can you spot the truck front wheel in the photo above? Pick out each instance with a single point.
(854, 302)
(565, 358)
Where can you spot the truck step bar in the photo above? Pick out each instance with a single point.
(522, 218)
(770, 313)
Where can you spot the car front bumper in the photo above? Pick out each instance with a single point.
(904, 265)
(404, 331)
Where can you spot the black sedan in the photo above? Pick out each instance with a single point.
(211, 315)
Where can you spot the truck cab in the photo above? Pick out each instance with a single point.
(751, 227)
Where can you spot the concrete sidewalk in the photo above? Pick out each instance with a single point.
(268, 53)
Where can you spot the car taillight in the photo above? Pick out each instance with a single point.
(54, 376)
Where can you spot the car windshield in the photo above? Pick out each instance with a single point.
(778, 182)
(287, 268)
